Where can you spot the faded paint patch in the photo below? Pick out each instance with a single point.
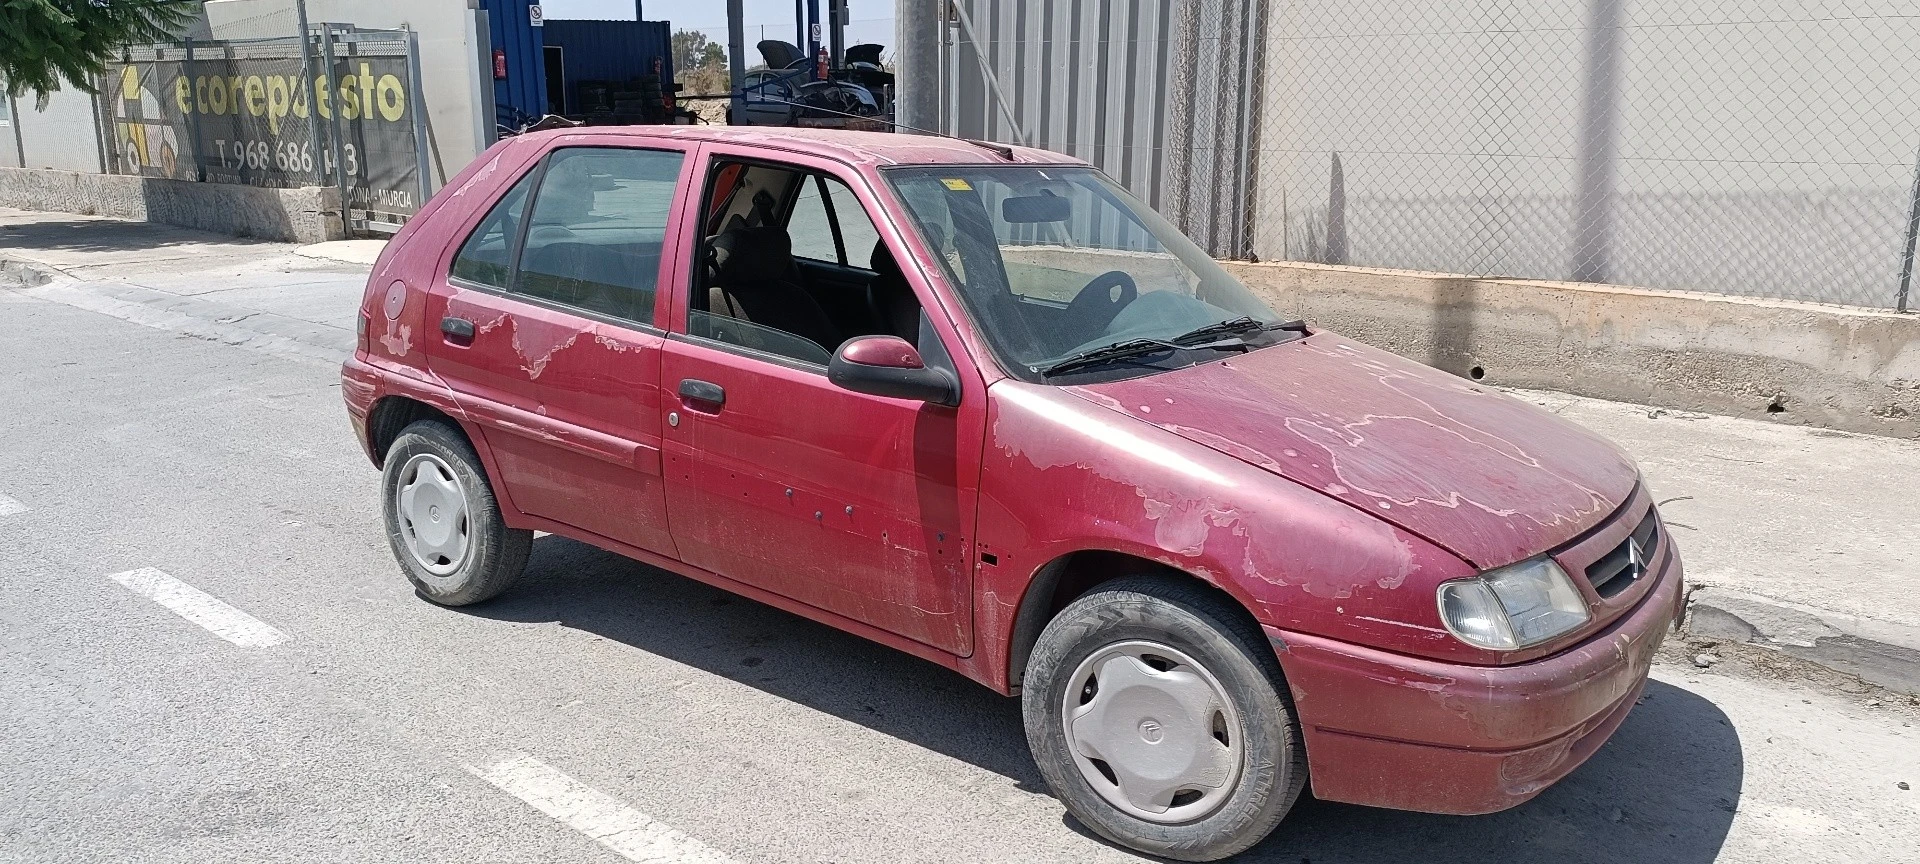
(614, 345)
(399, 338)
(481, 176)
(537, 344)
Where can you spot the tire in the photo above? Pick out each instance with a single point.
(1231, 665)
(447, 534)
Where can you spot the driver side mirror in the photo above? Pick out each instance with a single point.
(889, 366)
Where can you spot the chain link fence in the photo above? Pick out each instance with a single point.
(1763, 149)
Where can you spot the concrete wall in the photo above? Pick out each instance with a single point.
(1802, 363)
(64, 135)
(458, 124)
(307, 215)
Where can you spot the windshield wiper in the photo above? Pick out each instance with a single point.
(1107, 353)
(1237, 327)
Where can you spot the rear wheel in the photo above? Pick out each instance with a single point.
(443, 521)
(1159, 717)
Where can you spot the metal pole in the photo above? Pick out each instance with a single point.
(199, 142)
(1913, 230)
(837, 32)
(737, 61)
(980, 53)
(1242, 240)
(99, 128)
(19, 143)
(306, 85)
(800, 24)
(417, 105)
(1593, 204)
(339, 138)
(917, 64)
(812, 45)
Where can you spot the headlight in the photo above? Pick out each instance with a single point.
(1514, 606)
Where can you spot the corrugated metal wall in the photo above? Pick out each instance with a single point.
(612, 50)
(1157, 93)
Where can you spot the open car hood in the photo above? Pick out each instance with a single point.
(1483, 475)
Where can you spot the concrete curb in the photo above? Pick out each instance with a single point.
(1879, 652)
(361, 252)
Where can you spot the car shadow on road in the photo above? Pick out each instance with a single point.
(1662, 791)
(811, 664)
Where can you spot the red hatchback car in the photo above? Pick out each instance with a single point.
(981, 405)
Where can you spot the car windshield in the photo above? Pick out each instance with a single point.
(1056, 262)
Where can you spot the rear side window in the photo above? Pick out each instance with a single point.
(596, 231)
(487, 256)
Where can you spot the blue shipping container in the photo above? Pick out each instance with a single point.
(610, 51)
(521, 96)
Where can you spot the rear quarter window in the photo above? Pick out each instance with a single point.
(487, 256)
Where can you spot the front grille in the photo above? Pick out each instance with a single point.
(1619, 569)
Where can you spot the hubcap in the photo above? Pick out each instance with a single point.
(433, 514)
(1153, 732)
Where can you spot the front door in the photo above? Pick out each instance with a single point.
(547, 337)
(859, 505)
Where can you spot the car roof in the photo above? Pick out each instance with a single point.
(874, 148)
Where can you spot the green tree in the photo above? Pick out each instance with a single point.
(43, 42)
(690, 49)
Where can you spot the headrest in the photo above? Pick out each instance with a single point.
(881, 261)
(757, 254)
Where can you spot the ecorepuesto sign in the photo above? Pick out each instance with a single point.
(249, 120)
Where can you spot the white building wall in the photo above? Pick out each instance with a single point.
(62, 135)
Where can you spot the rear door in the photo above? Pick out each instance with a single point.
(548, 335)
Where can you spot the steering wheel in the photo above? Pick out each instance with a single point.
(1096, 305)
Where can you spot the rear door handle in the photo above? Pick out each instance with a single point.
(457, 329)
(705, 392)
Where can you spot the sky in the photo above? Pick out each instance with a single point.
(870, 20)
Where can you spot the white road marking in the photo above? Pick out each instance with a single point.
(10, 506)
(200, 607)
(606, 819)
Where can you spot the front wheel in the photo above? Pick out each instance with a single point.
(1159, 718)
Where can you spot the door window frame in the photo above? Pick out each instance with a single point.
(538, 172)
(714, 156)
(713, 161)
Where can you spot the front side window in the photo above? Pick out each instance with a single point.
(1070, 277)
(766, 221)
(833, 227)
(597, 228)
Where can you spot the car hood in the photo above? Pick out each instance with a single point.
(1481, 474)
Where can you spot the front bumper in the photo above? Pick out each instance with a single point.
(1387, 730)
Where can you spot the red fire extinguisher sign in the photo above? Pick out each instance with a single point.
(499, 64)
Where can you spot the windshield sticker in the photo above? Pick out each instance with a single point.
(956, 184)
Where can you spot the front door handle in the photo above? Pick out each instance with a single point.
(705, 392)
(457, 329)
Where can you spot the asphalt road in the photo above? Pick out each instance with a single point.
(606, 711)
